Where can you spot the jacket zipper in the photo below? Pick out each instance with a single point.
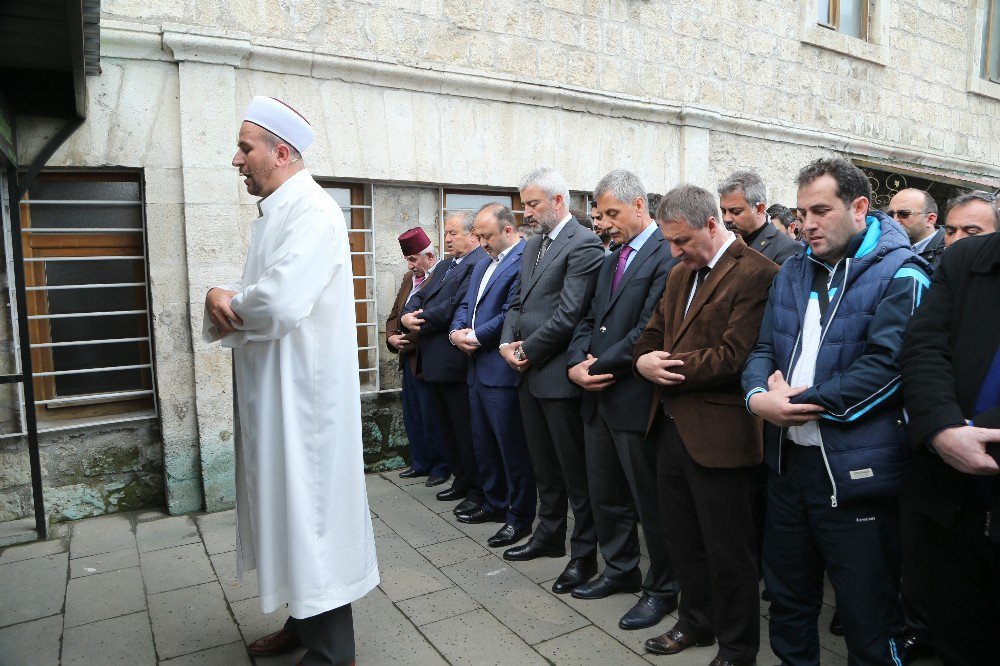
(791, 366)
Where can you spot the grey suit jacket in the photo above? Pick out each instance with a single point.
(550, 301)
(775, 245)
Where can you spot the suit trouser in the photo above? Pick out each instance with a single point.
(955, 574)
(555, 440)
(706, 513)
(857, 543)
(621, 472)
(502, 453)
(327, 637)
(422, 428)
(451, 401)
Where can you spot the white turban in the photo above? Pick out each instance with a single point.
(281, 120)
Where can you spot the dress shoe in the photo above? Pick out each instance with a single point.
(647, 612)
(435, 481)
(410, 473)
(507, 535)
(602, 587)
(451, 494)
(465, 506)
(482, 515)
(532, 549)
(836, 626)
(577, 572)
(279, 642)
(913, 647)
(675, 641)
(719, 661)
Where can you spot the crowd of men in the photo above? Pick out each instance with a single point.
(769, 392)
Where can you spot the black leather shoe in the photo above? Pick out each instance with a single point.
(507, 535)
(577, 572)
(913, 647)
(465, 506)
(482, 515)
(410, 473)
(836, 626)
(647, 612)
(602, 587)
(435, 481)
(532, 549)
(451, 494)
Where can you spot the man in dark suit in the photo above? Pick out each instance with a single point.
(440, 363)
(693, 350)
(917, 212)
(743, 199)
(951, 507)
(427, 457)
(621, 468)
(558, 272)
(497, 430)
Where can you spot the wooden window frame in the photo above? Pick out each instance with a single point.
(833, 18)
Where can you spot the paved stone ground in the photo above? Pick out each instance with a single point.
(146, 588)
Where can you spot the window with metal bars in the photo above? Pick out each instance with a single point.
(847, 16)
(457, 200)
(87, 297)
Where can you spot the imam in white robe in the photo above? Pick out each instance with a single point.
(301, 505)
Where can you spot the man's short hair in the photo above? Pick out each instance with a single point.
(653, 200)
(272, 140)
(466, 216)
(749, 183)
(985, 197)
(583, 218)
(503, 216)
(930, 206)
(689, 203)
(429, 250)
(781, 214)
(851, 181)
(549, 181)
(623, 185)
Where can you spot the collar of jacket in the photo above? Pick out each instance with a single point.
(988, 259)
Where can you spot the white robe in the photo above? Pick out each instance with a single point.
(301, 505)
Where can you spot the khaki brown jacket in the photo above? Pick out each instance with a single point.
(394, 327)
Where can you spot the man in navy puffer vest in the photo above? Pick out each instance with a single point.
(824, 375)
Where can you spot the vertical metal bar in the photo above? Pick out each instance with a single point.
(31, 424)
(376, 341)
(151, 345)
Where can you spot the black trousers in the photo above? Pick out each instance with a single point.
(555, 442)
(857, 543)
(706, 515)
(327, 637)
(451, 401)
(954, 576)
(621, 472)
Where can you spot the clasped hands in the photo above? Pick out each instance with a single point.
(656, 365)
(412, 320)
(460, 338)
(514, 354)
(218, 302)
(775, 406)
(580, 375)
(964, 448)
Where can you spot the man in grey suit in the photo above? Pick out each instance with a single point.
(621, 466)
(558, 270)
(743, 199)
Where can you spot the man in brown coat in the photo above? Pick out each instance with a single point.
(427, 457)
(707, 444)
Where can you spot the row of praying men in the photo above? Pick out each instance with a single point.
(647, 383)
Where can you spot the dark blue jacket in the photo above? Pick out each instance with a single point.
(872, 294)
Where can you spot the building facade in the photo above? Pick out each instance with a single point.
(420, 106)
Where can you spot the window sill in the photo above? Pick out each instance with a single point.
(830, 40)
(87, 422)
(983, 87)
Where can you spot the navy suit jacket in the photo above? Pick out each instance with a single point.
(486, 362)
(437, 359)
(611, 328)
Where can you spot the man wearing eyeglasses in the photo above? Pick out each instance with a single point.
(917, 212)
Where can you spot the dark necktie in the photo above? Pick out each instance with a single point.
(454, 262)
(699, 279)
(620, 268)
(541, 251)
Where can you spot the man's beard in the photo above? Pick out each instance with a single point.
(547, 222)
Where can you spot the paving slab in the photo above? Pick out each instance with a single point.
(190, 619)
(252, 623)
(379, 528)
(404, 572)
(173, 568)
(479, 638)
(378, 485)
(417, 524)
(150, 514)
(17, 531)
(103, 596)
(605, 613)
(426, 496)
(103, 563)
(541, 569)
(533, 614)
(35, 642)
(438, 605)
(588, 647)
(225, 570)
(384, 637)
(454, 551)
(32, 589)
(122, 640)
(218, 531)
(32, 550)
(166, 533)
(393, 478)
(234, 654)
(101, 535)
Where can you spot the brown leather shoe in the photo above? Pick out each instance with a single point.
(279, 642)
(675, 641)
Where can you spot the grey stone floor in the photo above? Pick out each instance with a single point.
(146, 588)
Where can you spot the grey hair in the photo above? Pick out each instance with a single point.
(985, 197)
(749, 183)
(688, 203)
(429, 250)
(466, 216)
(548, 181)
(623, 185)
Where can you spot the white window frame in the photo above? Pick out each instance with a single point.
(874, 49)
(976, 81)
